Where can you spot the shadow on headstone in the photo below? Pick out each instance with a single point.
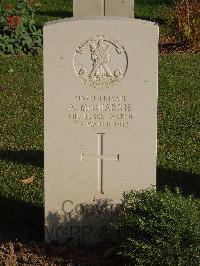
(188, 183)
(84, 223)
(32, 157)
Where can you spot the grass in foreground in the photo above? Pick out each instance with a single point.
(179, 122)
(21, 145)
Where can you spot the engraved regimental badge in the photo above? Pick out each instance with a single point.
(100, 62)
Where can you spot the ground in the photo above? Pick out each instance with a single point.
(40, 254)
(21, 140)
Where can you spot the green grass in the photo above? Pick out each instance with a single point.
(21, 146)
(179, 100)
(21, 120)
(21, 101)
(179, 122)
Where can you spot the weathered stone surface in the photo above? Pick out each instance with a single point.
(101, 81)
(119, 8)
(88, 8)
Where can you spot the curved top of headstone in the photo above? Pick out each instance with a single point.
(111, 18)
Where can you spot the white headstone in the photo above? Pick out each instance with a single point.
(119, 8)
(92, 8)
(88, 8)
(101, 81)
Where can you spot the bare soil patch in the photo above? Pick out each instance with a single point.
(42, 254)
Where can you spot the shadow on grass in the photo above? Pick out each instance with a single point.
(20, 220)
(62, 14)
(154, 2)
(188, 183)
(32, 157)
(56, 14)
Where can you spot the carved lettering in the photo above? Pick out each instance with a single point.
(100, 111)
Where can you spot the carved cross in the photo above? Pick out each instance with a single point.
(100, 157)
